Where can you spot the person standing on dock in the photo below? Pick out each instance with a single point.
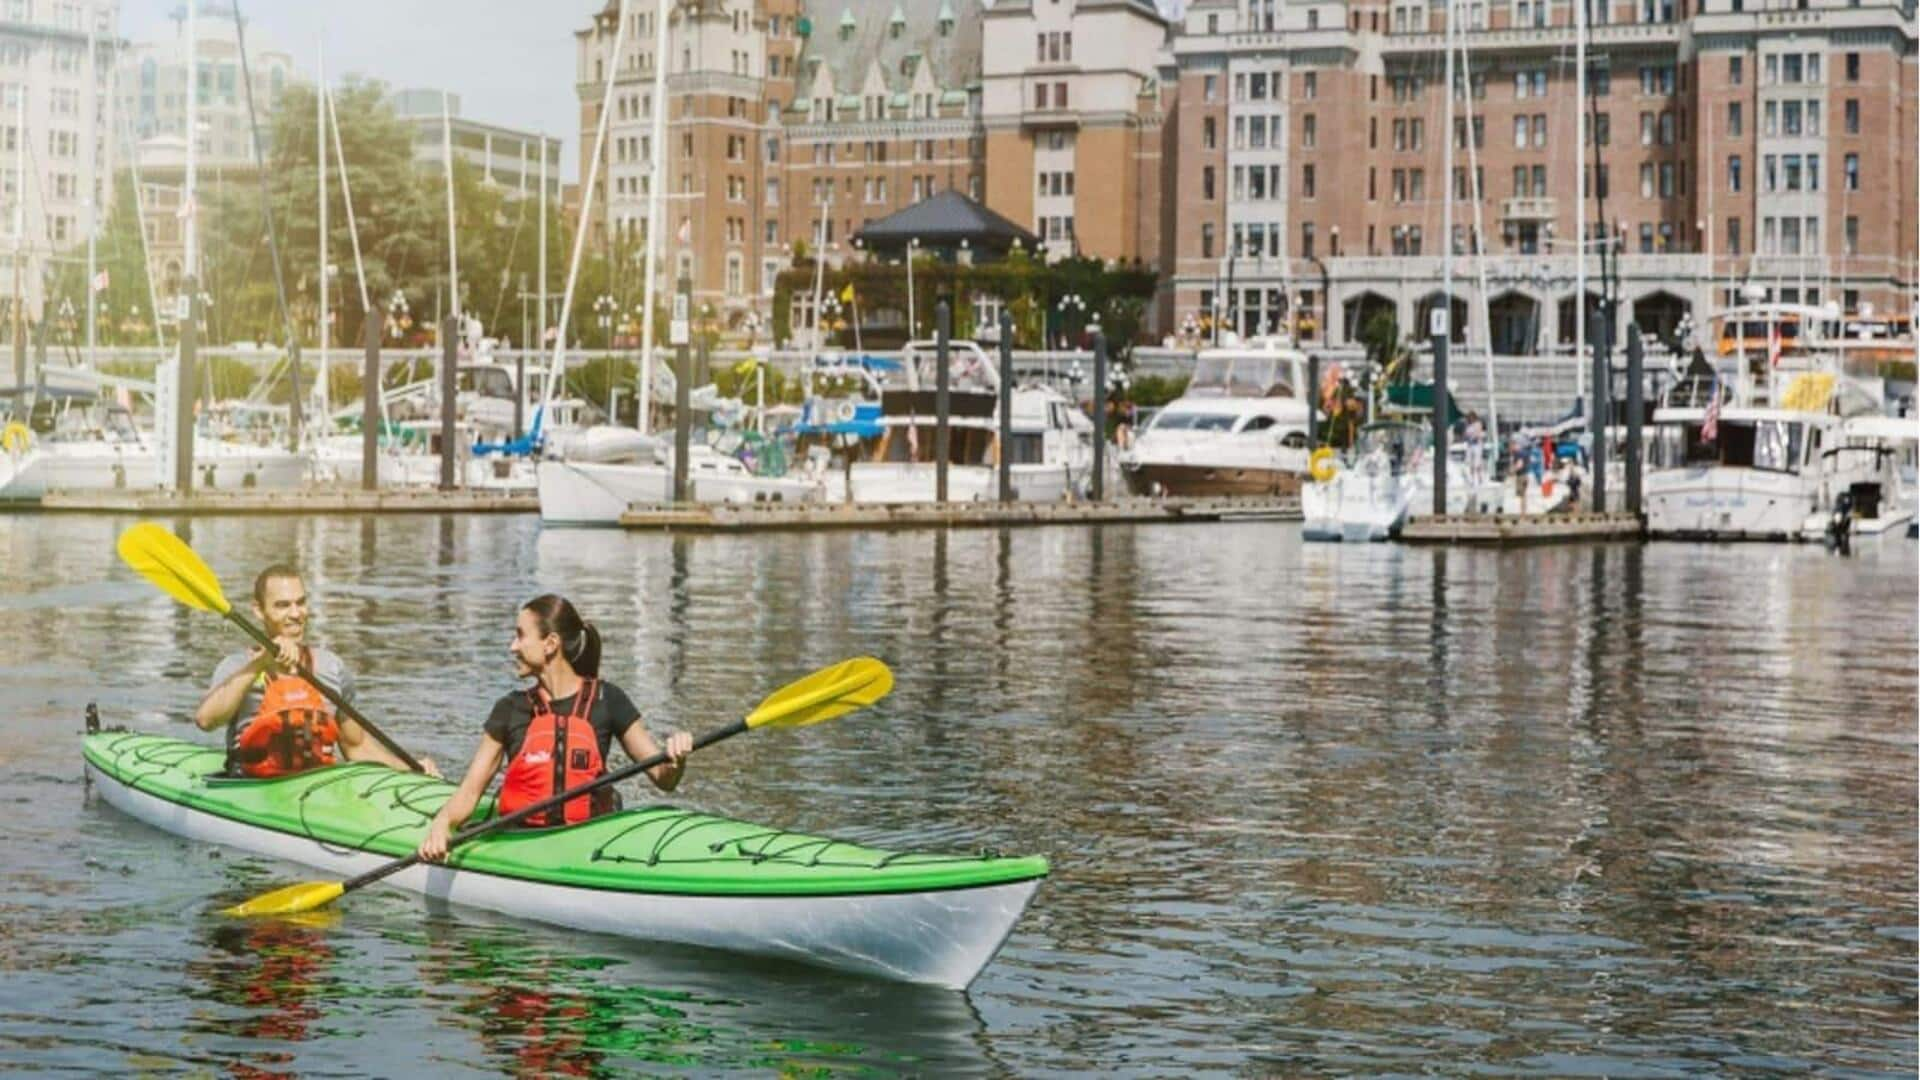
(276, 722)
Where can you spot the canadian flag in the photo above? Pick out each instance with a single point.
(100, 281)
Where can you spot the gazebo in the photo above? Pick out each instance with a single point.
(944, 225)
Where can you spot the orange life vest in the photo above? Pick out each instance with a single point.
(293, 731)
(558, 752)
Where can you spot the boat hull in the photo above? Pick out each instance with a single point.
(1144, 478)
(937, 937)
(1728, 504)
(591, 493)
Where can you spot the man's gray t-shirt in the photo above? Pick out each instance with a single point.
(327, 667)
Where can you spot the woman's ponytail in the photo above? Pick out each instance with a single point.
(587, 663)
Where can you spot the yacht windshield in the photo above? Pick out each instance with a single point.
(1225, 375)
(1187, 421)
(1394, 440)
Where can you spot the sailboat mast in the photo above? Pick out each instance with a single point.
(656, 193)
(559, 369)
(453, 247)
(540, 342)
(320, 146)
(1580, 313)
(93, 194)
(1446, 202)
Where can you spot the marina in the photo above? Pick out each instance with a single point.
(622, 538)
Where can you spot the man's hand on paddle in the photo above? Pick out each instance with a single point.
(286, 656)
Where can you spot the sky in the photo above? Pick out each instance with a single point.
(510, 61)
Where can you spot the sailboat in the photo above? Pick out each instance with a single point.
(1388, 474)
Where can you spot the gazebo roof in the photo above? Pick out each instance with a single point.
(945, 219)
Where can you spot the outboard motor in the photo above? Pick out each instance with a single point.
(1840, 525)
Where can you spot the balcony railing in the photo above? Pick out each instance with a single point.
(1527, 208)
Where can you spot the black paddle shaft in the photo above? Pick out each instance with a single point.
(326, 691)
(591, 786)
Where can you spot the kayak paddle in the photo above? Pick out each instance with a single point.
(166, 560)
(823, 695)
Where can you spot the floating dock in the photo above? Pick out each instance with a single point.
(293, 501)
(1516, 529)
(751, 517)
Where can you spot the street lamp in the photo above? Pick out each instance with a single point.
(603, 308)
(397, 312)
(1071, 301)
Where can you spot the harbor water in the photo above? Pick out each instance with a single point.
(1607, 810)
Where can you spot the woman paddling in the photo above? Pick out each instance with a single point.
(555, 734)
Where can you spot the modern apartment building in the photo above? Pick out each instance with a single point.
(152, 93)
(508, 158)
(1285, 161)
(44, 58)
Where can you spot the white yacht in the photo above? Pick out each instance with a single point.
(1050, 455)
(1745, 457)
(1240, 428)
(96, 445)
(576, 492)
(1883, 504)
(1387, 478)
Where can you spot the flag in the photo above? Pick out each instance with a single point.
(1710, 426)
(1773, 344)
(100, 281)
(846, 294)
(686, 230)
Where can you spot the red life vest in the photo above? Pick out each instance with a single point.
(558, 752)
(293, 731)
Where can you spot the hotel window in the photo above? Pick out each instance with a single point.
(1733, 236)
(1790, 68)
(1399, 185)
(1306, 239)
(1666, 129)
(1770, 125)
(1853, 67)
(1310, 85)
(1733, 173)
(1521, 185)
(1039, 95)
(1206, 183)
(1206, 240)
(1059, 95)
(1666, 179)
(1813, 117)
(1813, 172)
(1539, 131)
(1309, 134)
(1207, 133)
(1736, 69)
(1852, 239)
(1646, 180)
(1769, 174)
(1646, 238)
(1850, 116)
(1519, 133)
(1646, 129)
(1790, 118)
(1417, 135)
(1851, 167)
(1306, 181)
(1734, 119)
(1211, 83)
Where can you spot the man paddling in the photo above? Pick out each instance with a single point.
(276, 722)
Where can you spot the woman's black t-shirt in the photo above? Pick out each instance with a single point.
(612, 714)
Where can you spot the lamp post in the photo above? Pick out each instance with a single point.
(603, 309)
(1071, 301)
(913, 244)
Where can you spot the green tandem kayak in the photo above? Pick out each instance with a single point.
(655, 872)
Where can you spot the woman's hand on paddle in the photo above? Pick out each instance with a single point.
(677, 747)
(428, 767)
(434, 847)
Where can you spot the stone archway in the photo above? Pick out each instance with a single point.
(1514, 323)
(1568, 317)
(1359, 310)
(1659, 313)
(1456, 317)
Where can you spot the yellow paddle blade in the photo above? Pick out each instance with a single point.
(291, 900)
(825, 694)
(162, 558)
